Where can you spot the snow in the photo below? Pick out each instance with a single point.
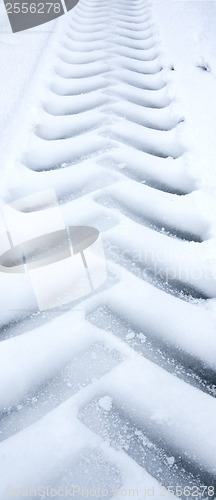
(160, 404)
(171, 461)
(26, 48)
(142, 338)
(105, 403)
(34, 357)
(194, 331)
(187, 33)
(89, 113)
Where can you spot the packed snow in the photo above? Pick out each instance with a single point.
(113, 108)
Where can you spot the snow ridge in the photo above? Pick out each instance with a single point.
(125, 380)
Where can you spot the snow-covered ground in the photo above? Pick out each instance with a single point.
(187, 32)
(25, 60)
(113, 108)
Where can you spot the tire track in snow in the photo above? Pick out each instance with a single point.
(108, 111)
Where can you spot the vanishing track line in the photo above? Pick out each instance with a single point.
(109, 144)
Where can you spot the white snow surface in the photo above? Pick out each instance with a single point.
(72, 108)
